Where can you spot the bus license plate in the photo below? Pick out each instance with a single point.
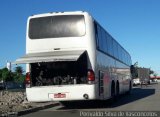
(59, 95)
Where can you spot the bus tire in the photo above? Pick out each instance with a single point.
(113, 93)
(117, 89)
(130, 88)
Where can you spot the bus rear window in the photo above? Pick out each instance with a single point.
(57, 26)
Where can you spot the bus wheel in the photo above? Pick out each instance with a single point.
(130, 88)
(117, 89)
(113, 92)
(113, 89)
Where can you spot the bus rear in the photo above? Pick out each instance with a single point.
(58, 52)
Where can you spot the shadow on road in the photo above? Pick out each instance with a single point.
(136, 94)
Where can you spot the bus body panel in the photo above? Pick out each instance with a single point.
(50, 44)
(67, 92)
(86, 42)
(112, 70)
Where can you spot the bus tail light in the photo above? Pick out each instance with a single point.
(90, 75)
(28, 80)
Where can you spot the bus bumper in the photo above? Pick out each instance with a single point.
(61, 93)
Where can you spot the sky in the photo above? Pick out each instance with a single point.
(135, 24)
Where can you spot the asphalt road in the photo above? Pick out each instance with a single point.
(140, 99)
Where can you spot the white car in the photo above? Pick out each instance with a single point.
(136, 81)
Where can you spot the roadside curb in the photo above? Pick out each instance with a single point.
(27, 111)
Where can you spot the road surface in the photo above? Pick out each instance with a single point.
(140, 99)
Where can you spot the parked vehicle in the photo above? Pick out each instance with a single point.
(14, 85)
(136, 81)
(2, 85)
(69, 56)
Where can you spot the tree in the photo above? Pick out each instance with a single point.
(134, 70)
(6, 75)
(151, 72)
(18, 75)
(19, 70)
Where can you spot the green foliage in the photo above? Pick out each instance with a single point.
(5, 75)
(151, 72)
(18, 70)
(16, 76)
(134, 71)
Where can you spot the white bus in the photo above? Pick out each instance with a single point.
(69, 57)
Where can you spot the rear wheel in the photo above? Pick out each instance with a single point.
(113, 90)
(130, 88)
(113, 93)
(117, 89)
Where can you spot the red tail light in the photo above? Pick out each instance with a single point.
(28, 79)
(90, 75)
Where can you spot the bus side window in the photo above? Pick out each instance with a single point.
(99, 37)
(96, 34)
